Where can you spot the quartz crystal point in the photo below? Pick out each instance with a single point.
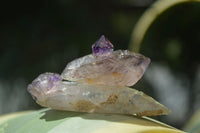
(122, 68)
(73, 96)
(102, 47)
(105, 67)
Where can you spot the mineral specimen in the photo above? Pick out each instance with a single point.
(97, 83)
(73, 96)
(122, 68)
(102, 47)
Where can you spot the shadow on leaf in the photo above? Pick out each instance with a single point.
(53, 115)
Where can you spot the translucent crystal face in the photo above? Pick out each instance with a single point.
(102, 47)
(44, 83)
(121, 68)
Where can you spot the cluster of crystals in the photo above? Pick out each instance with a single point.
(107, 67)
(100, 84)
(103, 67)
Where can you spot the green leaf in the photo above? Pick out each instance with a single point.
(193, 125)
(51, 121)
(147, 19)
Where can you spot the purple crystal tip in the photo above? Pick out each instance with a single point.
(102, 47)
(46, 81)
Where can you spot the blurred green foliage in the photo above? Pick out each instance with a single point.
(54, 121)
(172, 40)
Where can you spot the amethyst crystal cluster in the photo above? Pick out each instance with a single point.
(98, 83)
(107, 67)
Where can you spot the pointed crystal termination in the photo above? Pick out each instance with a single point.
(102, 47)
(120, 68)
(45, 82)
(74, 96)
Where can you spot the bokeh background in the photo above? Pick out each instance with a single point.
(43, 36)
